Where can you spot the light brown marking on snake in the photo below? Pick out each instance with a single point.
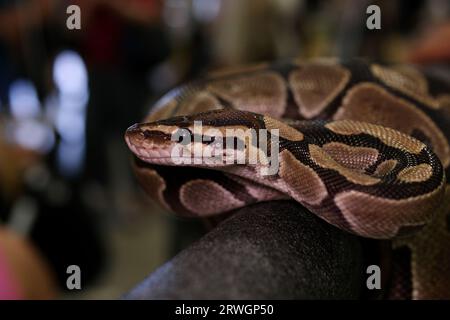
(304, 183)
(206, 197)
(202, 101)
(258, 191)
(159, 127)
(229, 71)
(356, 158)
(430, 255)
(315, 85)
(407, 80)
(384, 168)
(162, 112)
(370, 103)
(152, 183)
(419, 173)
(323, 159)
(382, 218)
(286, 132)
(388, 136)
(410, 78)
(263, 93)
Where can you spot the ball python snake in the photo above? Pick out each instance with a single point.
(362, 145)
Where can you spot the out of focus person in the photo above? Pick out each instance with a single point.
(24, 274)
(24, 271)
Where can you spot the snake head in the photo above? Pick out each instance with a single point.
(216, 138)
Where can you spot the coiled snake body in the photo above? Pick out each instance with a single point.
(361, 145)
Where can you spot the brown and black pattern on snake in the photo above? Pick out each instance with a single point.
(366, 178)
(167, 187)
(371, 103)
(324, 176)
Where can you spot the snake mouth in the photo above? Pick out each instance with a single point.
(161, 156)
(156, 149)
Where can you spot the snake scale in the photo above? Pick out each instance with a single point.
(364, 146)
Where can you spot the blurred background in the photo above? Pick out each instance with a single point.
(67, 192)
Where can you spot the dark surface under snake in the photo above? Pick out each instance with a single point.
(338, 155)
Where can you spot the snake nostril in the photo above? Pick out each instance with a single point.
(135, 133)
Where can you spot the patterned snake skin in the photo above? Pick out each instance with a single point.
(363, 146)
